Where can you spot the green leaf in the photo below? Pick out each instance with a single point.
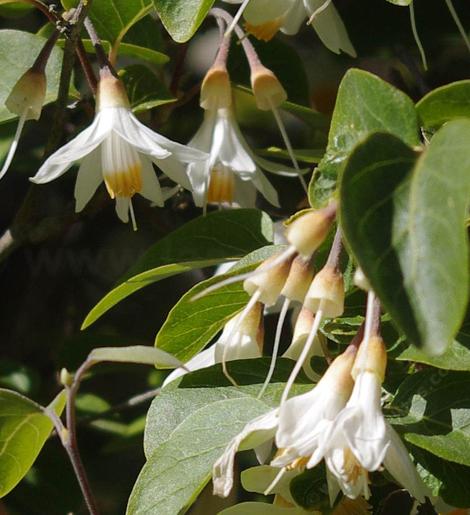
(261, 508)
(144, 89)
(206, 241)
(455, 357)
(310, 489)
(24, 429)
(18, 50)
(185, 395)
(14, 9)
(304, 155)
(182, 18)
(178, 469)
(134, 354)
(113, 18)
(435, 414)
(403, 3)
(191, 324)
(405, 223)
(365, 104)
(444, 104)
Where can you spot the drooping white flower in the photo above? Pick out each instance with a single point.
(240, 339)
(254, 435)
(235, 171)
(265, 17)
(119, 150)
(306, 421)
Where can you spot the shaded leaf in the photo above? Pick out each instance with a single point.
(134, 354)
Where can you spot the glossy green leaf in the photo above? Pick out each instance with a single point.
(261, 508)
(179, 468)
(303, 155)
(434, 409)
(455, 357)
(205, 241)
(144, 89)
(15, 9)
(134, 354)
(24, 429)
(182, 18)
(365, 104)
(444, 104)
(191, 324)
(404, 220)
(18, 50)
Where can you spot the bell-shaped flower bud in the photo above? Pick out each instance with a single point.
(111, 93)
(267, 89)
(371, 357)
(326, 293)
(309, 230)
(216, 91)
(299, 279)
(268, 285)
(28, 95)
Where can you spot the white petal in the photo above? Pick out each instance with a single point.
(265, 188)
(59, 162)
(294, 18)
(156, 143)
(353, 486)
(198, 176)
(253, 434)
(397, 461)
(122, 208)
(150, 185)
(175, 170)
(203, 359)
(89, 177)
(363, 423)
(202, 140)
(245, 193)
(277, 168)
(330, 28)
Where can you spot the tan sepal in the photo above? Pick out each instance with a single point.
(111, 93)
(269, 92)
(371, 358)
(307, 232)
(327, 289)
(299, 279)
(270, 283)
(28, 94)
(339, 373)
(265, 31)
(216, 91)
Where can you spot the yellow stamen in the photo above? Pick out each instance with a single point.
(221, 186)
(124, 183)
(265, 31)
(352, 467)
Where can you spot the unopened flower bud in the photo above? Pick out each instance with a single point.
(360, 280)
(326, 293)
(339, 374)
(253, 325)
(267, 89)
(216, 91)
(307, 232)
(269, 284)
(28, 95)
(299, 279)
(371, 357)
(111, 93)
(65, 377)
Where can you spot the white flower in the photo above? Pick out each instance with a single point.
(256, 433)
(234, 173)
(238, 341)
(306, 421)
(265, 17)
(119, 150)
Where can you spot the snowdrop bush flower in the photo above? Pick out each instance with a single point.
(119, 150)
(240, 339)
(265, 17)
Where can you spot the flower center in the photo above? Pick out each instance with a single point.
(265, 31)
(221, 185)
(121, 167)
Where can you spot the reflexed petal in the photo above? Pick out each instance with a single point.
(153, 143)
(122, 208)
(198, 177)
(294, 18)
(245, 193)
(259, 430)
(330, 27)
(151, 189)
(397, 461)
(352, 478)
(278, 168)
(175, 170)
(61, 160)
(89, 177)
(203, 359)
(262, 11)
